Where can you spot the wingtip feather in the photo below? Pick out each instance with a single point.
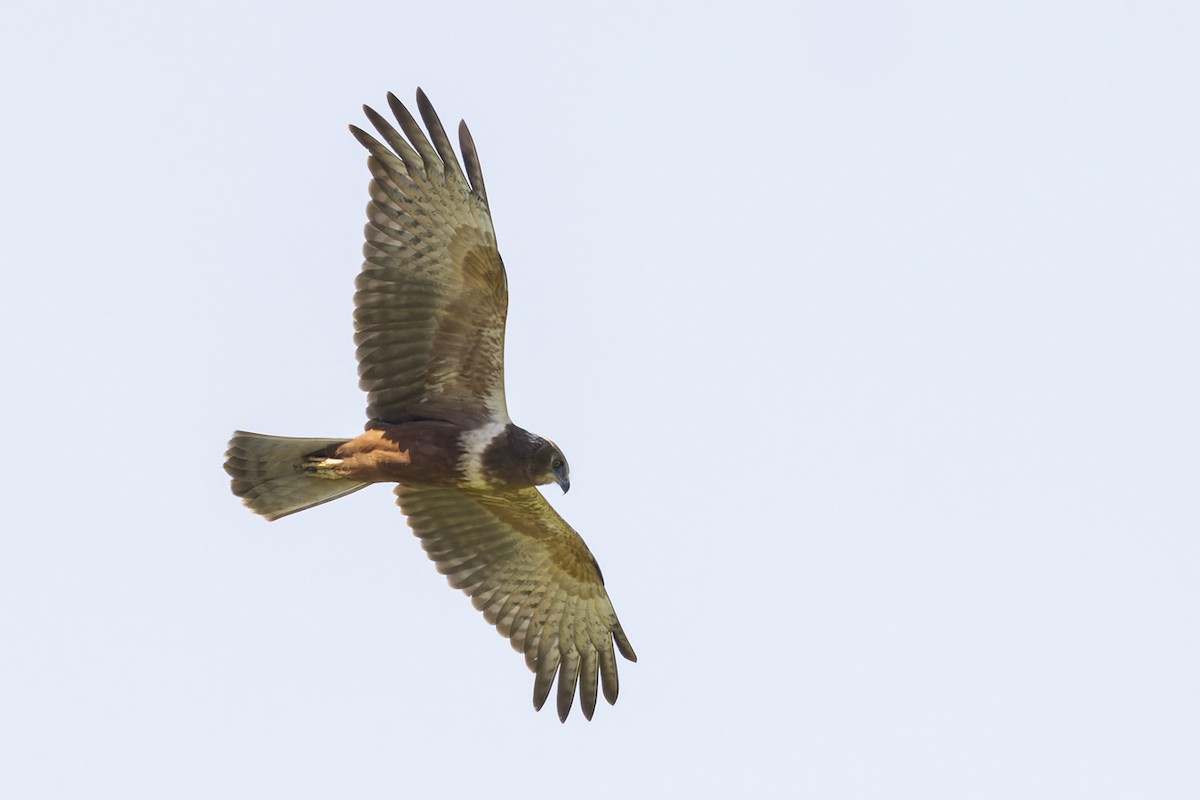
(588, 682)
(623, 643)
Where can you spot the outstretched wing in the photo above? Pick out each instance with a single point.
(532, 577)
(432, 295)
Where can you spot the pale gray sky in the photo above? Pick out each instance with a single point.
(870, 331)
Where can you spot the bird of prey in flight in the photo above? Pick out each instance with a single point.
(429, 311)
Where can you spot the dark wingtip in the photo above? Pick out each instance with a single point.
(398, 108)
(588, 708)
(623, 645)
(471, 160)
(365, 139)
(426, 108)
(541, 689)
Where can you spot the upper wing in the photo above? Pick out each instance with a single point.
(432, 295)
(532, 577)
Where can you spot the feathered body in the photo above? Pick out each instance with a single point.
(430, 309)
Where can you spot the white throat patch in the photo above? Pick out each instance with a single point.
(473, 443)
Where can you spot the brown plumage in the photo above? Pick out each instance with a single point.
(430, 307)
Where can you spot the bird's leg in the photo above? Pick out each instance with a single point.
(322, 467)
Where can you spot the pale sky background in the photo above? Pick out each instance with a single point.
(870, 331)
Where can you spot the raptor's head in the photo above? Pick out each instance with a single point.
(514, 458)
(550, 466)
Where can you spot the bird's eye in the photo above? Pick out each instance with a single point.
(556, 463)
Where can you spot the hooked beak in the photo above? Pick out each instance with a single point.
(560, 477)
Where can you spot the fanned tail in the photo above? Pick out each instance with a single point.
(269, 473)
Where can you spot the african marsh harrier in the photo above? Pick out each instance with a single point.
(429, 316)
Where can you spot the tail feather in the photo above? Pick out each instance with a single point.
(268, 473)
